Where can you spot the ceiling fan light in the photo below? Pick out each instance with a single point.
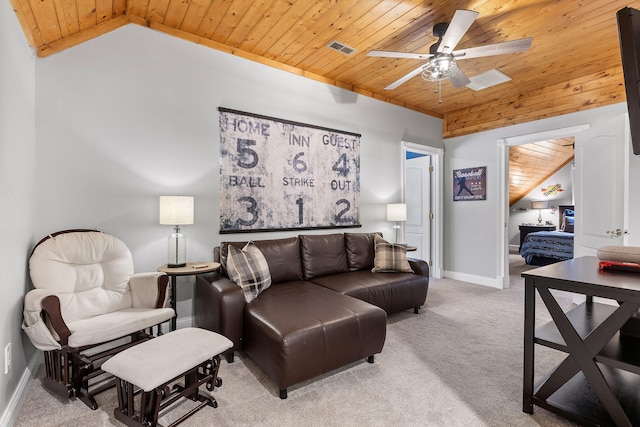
(439, 68)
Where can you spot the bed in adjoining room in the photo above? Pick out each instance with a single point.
(548, 247)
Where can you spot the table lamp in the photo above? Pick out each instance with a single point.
(396, 212)
(176, 211)
(539, 204)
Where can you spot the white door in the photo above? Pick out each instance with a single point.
(600, 217)
(417, 196)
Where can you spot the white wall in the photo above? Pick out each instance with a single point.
(472, 229)
(132, 115)
(17, 185)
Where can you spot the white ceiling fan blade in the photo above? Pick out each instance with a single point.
(459, 25)
(406, 55)
(459, 79)
(512, 46)
(405, 78)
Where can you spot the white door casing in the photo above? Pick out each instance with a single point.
(434, 196)
(503, 178)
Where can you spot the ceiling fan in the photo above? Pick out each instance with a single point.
(442, 56)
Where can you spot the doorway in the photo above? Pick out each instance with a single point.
(422, 193)
(600, 188)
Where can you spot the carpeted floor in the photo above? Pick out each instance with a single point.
(457, 363)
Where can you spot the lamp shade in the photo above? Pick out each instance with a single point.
(396, 212)
(176, 210)
(539, 204)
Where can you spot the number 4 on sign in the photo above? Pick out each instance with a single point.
(340, 166)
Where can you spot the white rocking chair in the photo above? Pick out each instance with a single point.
(86, 295)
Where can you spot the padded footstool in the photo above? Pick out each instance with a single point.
(148, 369)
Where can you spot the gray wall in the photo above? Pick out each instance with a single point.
(132, 115)
(471, 229)
(17, 199)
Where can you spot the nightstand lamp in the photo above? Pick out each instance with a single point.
(176, 211)
(397, 212)
(539, 204)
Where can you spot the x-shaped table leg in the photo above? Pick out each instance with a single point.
(582, 354)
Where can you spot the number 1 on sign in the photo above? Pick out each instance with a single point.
(300, 204)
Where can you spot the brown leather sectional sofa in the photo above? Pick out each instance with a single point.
(324, 308)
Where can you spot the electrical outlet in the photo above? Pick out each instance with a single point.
(7, 358)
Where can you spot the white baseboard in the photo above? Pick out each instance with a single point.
(477, 280)
(20, 394)
(185, 322)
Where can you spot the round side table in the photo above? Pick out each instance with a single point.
(191, 269)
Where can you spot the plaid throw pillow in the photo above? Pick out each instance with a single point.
(248, 268)
(390, 257)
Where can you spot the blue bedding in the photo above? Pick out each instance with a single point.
(554, 245)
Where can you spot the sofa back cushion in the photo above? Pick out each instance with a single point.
(282, 255)
(360, 250)
(323, 254)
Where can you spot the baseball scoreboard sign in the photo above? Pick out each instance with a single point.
(282, 175)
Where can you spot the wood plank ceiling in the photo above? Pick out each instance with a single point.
(574, 63)
(530, 165)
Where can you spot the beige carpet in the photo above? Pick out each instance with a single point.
(457, 363)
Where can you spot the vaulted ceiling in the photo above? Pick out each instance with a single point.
(573, 64)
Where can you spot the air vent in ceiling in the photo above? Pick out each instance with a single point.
(341, 47)
(488, 79)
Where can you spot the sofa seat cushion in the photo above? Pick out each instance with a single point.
(115, 325)
(393, 292)
(297, 330)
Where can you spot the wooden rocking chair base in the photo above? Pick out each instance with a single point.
(151, 403)
(71, 374)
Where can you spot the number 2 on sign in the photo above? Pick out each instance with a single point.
(300, 203)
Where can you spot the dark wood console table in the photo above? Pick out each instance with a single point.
(598, 383)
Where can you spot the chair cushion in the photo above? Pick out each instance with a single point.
(157, 361)
(114, 325)
(89, 270)
(248, 268)
(390, 257)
